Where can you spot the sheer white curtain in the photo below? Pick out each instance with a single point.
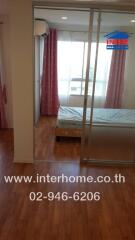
(103, 69)
(72, 60)
(64, 71)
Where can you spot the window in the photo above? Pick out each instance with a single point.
(72, 62)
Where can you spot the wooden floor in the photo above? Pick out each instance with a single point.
(112, 218)
(46, 146)
(107, 143)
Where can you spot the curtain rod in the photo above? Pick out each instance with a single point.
(85, 9)
(60, 30)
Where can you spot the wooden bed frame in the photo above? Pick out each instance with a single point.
(77, 132)
(67, 132)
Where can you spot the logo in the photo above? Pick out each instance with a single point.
(117, 40)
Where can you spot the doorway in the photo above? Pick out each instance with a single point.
(79, 121)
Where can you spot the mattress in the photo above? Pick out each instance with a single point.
(71, 117)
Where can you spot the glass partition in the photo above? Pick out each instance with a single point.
(56, 133)
(91, 74)
(110, 123)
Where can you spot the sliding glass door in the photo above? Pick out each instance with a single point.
(91, 71)
(109, 102)
(90, 75)
(63, 60)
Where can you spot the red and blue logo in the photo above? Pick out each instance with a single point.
(117, 40)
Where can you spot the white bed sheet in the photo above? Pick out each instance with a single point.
(72, 117)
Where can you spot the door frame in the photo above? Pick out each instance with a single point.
(91, 8)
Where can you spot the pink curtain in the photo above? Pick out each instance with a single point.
(3, 99)
(49, 86)
(3, 121)
(116, 80)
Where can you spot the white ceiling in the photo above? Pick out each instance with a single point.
(80, 18)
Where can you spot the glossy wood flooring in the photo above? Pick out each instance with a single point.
(112, 218)
(107, 143)
(46, 146)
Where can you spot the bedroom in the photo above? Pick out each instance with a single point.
(69, 31)
(106, 204)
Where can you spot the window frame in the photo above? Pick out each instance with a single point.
(82, 80)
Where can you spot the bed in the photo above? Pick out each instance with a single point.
(69, 121)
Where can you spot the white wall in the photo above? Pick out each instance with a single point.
(37, 79)
(6, 53)
(22, 73)
(7, 67)
(129, 88)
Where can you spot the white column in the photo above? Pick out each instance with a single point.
(21, 29)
